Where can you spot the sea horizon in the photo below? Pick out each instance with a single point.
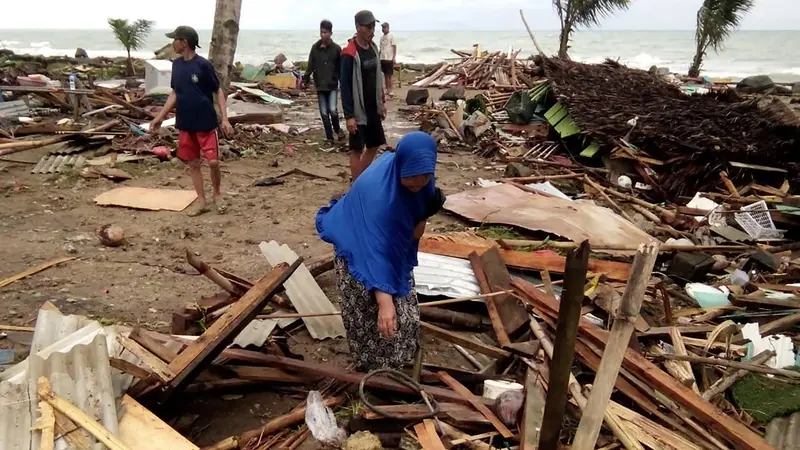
(746, 52)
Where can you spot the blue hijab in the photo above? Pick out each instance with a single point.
(372, 226)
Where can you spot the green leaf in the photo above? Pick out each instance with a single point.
(131, 35)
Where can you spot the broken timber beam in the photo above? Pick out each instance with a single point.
(532, 415)
(564, 350)
(354, 378)
(737, 433)
(476, 403)
(512, 314)
(491, 302)
(621, 332)
(213, 341)
(538, 260)
(464, 341)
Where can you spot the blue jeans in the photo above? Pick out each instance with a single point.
(328, 111)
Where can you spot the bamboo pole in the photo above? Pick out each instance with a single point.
(728, 380)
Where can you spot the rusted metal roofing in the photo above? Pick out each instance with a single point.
(305, 294)
(443, 275)
(783, 433)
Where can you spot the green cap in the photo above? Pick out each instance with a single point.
(188, 34)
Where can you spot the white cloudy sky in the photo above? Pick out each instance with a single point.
(403, 14)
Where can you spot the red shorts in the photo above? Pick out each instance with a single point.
(193, 144)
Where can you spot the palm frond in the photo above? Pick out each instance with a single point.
(131, 35)
(590, 12)
(717, 19)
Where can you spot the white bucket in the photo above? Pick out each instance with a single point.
(493, 388)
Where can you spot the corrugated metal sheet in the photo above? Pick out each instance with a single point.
(443, 275)
(15, 417)
(305, 294)
(52, 326)
(783, 433)
(16, 108)
(83, 377)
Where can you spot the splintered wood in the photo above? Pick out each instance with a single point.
(481, 71)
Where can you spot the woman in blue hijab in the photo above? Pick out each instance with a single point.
(375, 229)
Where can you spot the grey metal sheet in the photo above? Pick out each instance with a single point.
(13, 109)
(783, 433)
(443, 275)
(258, 331)
(305, 294)
(82, 376)
(15, 417)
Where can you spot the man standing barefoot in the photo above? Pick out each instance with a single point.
(388, 55)
(362, 94)
(194, 84)
(323, 63)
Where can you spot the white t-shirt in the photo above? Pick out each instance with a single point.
(387, 47)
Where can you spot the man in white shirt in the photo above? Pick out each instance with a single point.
(388, 56)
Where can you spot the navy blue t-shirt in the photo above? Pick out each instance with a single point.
(195, 82)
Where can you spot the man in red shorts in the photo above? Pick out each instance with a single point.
(194, 85)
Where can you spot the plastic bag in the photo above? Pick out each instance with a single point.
(321, 421)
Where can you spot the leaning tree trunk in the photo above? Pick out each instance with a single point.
(224, 38)
(129, 65)
(694, 69)
(563, 47)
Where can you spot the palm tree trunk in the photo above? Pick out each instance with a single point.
(694, 69)
(224, 38)
(563, 47)
(130, 64)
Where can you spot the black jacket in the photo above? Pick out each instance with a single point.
(324, 64)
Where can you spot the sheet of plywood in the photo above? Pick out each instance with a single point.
(139, 428)
(305, 294)
(575, 220)
(146, 198)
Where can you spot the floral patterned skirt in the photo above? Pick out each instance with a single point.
(368, 348)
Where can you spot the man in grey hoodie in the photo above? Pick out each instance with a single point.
(363, 100)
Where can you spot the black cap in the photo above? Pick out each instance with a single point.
(365, 18)
(188, 34)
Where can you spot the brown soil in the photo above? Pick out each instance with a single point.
(45, 217)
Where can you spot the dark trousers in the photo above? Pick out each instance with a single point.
(328, 111)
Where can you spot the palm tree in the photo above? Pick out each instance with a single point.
(716, 19)
(130, 35)
(576, 13)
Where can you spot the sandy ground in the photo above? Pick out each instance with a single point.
(48, 216)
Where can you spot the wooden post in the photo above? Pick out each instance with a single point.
(564, 351)
(621, 331)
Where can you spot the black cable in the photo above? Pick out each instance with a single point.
(406, 381)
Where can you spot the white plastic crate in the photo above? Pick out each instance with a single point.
(157, 74)
(757, 222)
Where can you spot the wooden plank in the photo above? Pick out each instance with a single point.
(33, 270)
(621, 332)
(78, 416)
(294, 417)
(129, 368)
(271, 374)
(533, 412)
(146, 340)
(738, 434)
(141, 429)
(464, 341)
(476, 403)
(664, 331)
(427, 436)
(452, 411)
(791, 303)
(491, 304)
(322, 370)
(564, 346)
(213, 341)
(74, 435)
(46, 423)
(513, 314)
(157, 367)
(538, 260)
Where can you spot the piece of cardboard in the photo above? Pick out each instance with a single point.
(146, 198)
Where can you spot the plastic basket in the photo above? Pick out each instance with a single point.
(757, 222)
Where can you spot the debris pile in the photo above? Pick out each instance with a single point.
(482, 70)
(694, 135)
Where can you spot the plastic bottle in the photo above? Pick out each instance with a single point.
(739, 277)
(72, 82)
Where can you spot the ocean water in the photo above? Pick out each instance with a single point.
(746, 52)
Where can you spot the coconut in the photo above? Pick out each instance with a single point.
(111, 235)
